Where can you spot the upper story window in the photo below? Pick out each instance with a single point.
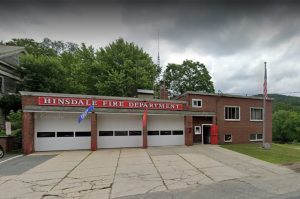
(232, 113)
(256, 114)
(197, 103)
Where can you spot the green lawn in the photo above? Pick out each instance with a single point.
(278, 154)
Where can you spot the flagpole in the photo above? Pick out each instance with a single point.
(265, 145)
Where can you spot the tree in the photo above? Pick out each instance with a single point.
(286, 126)
(46, 48)
(118, 69)
(121, 68)
(79, 66)
(32, 47)
(10, 102)
(188, 76)
(42, 73)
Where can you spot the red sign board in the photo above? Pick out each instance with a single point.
(108, 103)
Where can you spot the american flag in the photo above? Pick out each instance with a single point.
(265, 83)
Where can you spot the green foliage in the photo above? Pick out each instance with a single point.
(286, 126)
(45, 48)
(121, 68)
(2, 133)
(41, 73)
(116, 70)
(188, 76)
(10, 102)
(16, 122)
(283, 102)
(278, 154)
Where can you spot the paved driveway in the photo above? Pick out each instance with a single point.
(123, 172)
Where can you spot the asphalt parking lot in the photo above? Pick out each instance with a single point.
(144, 173)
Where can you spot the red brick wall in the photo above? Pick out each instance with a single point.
(145, 133)
(198, 121)
(188, 125)
(208, 103)
(28, 132)
(94, 132)
(29, 100)
(241, 130)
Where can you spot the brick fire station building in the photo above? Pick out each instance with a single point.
(50, 120)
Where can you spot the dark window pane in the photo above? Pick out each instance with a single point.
(121, 133)
(232, 113)
(259, 136)
(153, 132)
(177, 132)
(228, 138)
(252, 136)
(165, 132)
(65, 134)
(135, 133)
(82, 134)
(45, 134)
(106, 133)
(197, 103)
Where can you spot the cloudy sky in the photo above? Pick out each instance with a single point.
(232, 38)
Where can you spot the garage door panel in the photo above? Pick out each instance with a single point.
(165, 130)
(65, 143)
(165, 140)
(61, 122)
(61, 131)
(122, 130)
(118, 142)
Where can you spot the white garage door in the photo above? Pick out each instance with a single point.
(165, 130)
(119, 130)
(61, 131)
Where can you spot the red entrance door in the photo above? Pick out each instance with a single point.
(214, 134)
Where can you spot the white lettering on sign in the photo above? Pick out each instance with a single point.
(99, 103)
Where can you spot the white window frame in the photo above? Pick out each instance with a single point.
(261, 108)
(193, 100)
(200, 130)
(232, 107)
(229, 141)
(256, 140)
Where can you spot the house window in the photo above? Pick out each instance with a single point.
(232, 113)
(197, 103)
(106, 133)
(165, 133)
(135, 133)
(65, 134)
(82, 134)
(256, 114)
(256, 137)
(227, 138)
(45, 134)
(2, 84)
(121, 133)
(178, 132)
(153, 133)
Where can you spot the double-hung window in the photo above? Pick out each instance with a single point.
(256, 114)
(197, 103)
(232, 113)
